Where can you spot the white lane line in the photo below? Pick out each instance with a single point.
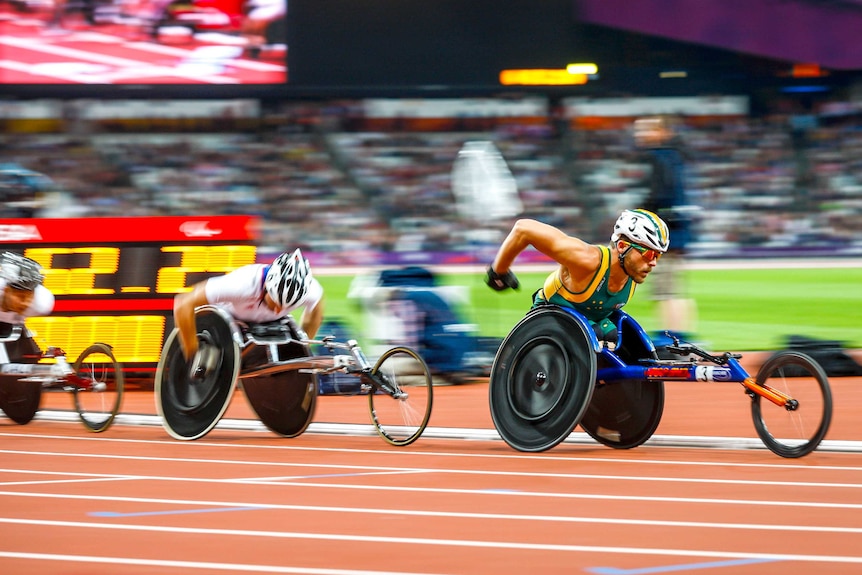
(809, 465)
(446, 514)
(482, 472)
(489, 492)
(507, 545)
(278, 479)
(232, 567)
(58, 481)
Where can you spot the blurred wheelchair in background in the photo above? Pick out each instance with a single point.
(95, 381)
(409, 304)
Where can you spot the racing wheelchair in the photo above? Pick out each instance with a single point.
(552, 373)
(278, 373)
(95, 381)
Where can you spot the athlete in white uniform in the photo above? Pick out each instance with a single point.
(22, 295)
(254, 293)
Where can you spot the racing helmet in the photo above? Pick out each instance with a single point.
(288, 279)
(19, 272)
(644, 228)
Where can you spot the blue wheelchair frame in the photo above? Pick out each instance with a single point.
(541, 386)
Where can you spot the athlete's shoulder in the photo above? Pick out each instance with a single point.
(244, 281)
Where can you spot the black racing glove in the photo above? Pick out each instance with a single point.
(500, 282)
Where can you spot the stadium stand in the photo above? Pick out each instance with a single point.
(324, 178)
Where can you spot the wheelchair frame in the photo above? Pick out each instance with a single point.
(95, 380)
(552, 374)
(279, 373)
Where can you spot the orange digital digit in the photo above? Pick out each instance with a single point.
(76, 281)
(134, 338)
(201, 259)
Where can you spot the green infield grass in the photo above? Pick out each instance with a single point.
(737, 309)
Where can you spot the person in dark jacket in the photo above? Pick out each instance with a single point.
(668, 197)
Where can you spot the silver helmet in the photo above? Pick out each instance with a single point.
(20, 272)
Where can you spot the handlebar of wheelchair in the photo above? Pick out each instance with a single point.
(13, 335)
(332, 343)
(691, 349)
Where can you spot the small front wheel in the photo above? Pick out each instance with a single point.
(98, 393)
(798, 431)
(402, 394)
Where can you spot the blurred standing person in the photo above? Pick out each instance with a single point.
(668, 198)
(261, 15)
(57, 16)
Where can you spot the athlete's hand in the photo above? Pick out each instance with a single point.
(202, 362)
(500, 282)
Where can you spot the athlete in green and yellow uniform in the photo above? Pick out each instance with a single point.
(594, 280)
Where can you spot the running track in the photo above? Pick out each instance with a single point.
(702, 498)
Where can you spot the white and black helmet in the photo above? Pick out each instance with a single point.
(20, 272)
(288, 279)
(643, 228)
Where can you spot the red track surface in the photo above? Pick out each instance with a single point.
(32, 53)
(134, 501)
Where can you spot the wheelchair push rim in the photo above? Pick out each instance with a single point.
(189, 408)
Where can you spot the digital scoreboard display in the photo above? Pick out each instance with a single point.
(114, 279)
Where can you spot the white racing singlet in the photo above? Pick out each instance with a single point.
(241, 293)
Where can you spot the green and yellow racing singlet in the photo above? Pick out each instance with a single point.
(596, 302)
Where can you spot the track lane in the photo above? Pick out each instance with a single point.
(230, 501)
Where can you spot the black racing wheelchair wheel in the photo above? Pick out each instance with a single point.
(795, 430)
(19, 399)
(624, 414)
(542, 380)
(191, 406)
(284, 402)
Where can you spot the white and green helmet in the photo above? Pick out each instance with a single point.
(643, 228)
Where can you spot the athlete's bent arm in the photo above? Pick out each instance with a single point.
(184, 317)
(311, 319)
(571, 252)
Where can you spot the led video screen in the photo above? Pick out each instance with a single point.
(426, 44)
(199, 43)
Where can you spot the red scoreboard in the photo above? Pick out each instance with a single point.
(114, 279)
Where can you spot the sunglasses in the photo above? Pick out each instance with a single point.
(648, 254)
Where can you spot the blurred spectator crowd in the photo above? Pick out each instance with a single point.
(320, 178)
